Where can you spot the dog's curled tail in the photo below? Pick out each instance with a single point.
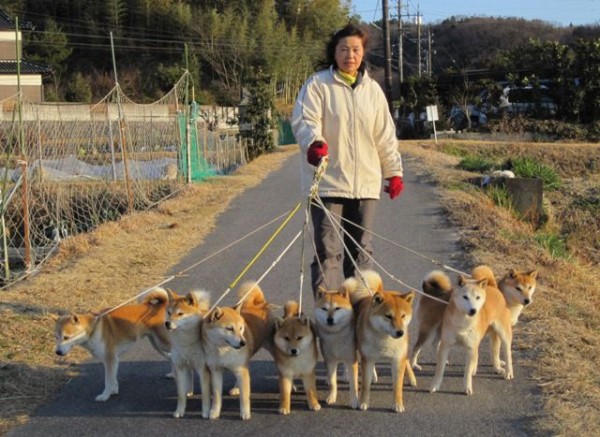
(202, 299)
(155, 296)
(437, 284)
(361, 287)
(484, 272)
(291, 309)
(252, 294)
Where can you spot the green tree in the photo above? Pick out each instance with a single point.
(51, 46)
(79, 89)
(259, 113)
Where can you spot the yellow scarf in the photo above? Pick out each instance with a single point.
(348, 78)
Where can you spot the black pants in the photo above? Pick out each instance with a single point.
(332, 263)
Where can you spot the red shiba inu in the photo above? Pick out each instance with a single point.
(381, 333)
(230, 337)
(108, 334)
(296, 354)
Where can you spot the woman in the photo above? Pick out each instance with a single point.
(342, 113)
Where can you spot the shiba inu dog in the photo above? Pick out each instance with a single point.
(381, 333)
(230, 337)
(429, 312)
(518, 288)
(108, 334)
(335, 326)
(183, 321)
(474, 308)
(296, 354)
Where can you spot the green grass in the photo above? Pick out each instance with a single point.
(554, 244)
(476, 164)
(527, 167)
(500, 197)
(454, 150)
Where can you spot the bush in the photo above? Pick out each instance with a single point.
(476, 164)
(528, 167)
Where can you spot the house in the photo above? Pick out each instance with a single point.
(31, 72)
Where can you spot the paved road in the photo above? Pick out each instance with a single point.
(144, 407)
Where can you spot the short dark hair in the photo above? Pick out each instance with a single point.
(349, 29)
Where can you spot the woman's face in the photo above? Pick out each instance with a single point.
(349, 53)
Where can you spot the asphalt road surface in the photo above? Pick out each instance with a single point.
(147, 400)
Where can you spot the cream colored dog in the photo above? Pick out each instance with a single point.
(183, 321)
(474, 307)
(336, 329)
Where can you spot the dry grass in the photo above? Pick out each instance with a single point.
(93, 268)
(560, 328)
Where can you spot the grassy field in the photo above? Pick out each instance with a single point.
(561, 326)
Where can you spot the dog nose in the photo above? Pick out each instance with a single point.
(294, 352)
(330, 320)
(399, 333)
(527, 301)
(59, 352)
(472, 311)
(168, 324)
(242, 343)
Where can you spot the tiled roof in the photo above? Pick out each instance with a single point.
(27, 67)
(7, 23)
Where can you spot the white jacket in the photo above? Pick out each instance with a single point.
(359, 130)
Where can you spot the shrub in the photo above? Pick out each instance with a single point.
(476, 164)
(528, 167)
(553, 244)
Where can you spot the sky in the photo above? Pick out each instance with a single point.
(559, 12)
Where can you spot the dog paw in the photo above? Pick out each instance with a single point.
(331, 399)
(434, 388)
(508, 375)
(363, 407)
(353, 404)
(214, 415)
(284, 411)
(103, 397)
(245, 415)
(398, 408)
(315, 407)
(415, 366)
(469, 391)
(500, 371)
(235, 391)
(178, 414)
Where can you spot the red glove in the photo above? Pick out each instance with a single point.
(316, 151)
(394, 187)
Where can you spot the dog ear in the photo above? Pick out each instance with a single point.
(215, 314)
(171, 295)
(483, 283)
(533, 274)
(304, 319)
(75, 318)
(344, 292)
(409, 297)
(462, 280)
(279, 322)
(321, 292)
(513, 273)
(378, 298)
(191, 300)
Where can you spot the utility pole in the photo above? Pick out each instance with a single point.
(419, 42)
(400, 48)
(429, 53)
(388, 54)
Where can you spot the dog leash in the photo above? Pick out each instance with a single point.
(328, 213)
